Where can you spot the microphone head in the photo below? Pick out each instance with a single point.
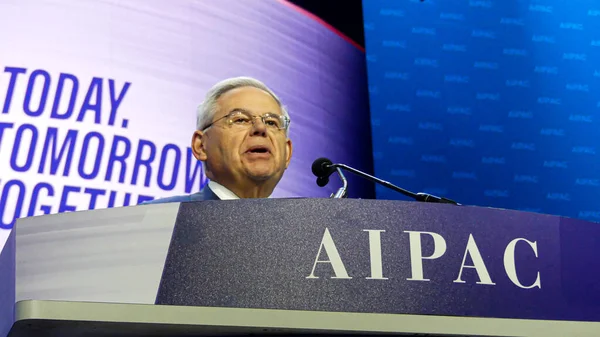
(322, 181)
(320, 167)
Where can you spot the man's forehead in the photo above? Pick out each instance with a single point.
(248, 99)
(250, 112)
(247, 93)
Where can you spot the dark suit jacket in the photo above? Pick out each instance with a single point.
(205, 194)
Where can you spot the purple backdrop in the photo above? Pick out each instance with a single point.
(167, 54)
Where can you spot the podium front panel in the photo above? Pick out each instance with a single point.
(375, 256)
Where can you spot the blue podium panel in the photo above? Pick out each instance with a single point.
(374, 256)
(7, 283)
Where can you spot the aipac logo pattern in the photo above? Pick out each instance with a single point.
(491, 103)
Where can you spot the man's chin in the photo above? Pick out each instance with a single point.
(260, 174)
(261, 177)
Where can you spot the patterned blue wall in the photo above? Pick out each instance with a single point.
(491, 103)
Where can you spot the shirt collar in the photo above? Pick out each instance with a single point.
(221, 191)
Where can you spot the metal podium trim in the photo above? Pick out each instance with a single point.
(164, 319)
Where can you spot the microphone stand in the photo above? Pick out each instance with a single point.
(425, 197)
(342, 191)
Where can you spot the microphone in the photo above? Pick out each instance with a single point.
(322, 168)
(322, 181)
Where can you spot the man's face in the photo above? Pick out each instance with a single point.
(233, 153)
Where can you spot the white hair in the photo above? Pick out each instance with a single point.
(206, 110)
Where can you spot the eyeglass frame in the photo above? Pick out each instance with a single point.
(262, 118)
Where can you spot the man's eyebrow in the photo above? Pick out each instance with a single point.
(240, 110)
(249, 112)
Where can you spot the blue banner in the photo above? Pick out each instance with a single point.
(488, 102)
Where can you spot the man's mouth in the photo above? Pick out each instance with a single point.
(258, 149)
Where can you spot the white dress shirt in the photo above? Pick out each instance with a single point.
(221, 191)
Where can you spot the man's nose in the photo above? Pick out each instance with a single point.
(258, 127)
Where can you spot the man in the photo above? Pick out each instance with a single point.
(242, 140)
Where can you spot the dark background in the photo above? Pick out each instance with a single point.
(346, 16)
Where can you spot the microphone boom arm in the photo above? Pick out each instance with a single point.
(425, 197)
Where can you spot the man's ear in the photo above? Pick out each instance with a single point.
(198, 145)
(289, 151)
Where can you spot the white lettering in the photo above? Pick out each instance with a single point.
(334, 258)
(416, 255)
(478, 264)
(375, 253)
(509, 263)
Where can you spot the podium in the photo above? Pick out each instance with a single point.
(301, 266)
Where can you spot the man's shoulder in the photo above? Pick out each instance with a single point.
(205, 194)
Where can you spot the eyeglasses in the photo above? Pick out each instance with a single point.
(243, 119)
